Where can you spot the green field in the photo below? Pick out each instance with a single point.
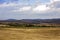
(30, 34)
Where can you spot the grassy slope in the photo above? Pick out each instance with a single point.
(30, 34)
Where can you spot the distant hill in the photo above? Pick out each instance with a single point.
(37, 21)
(11, 19)
(33, 21)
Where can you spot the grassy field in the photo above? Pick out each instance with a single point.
(30, 34)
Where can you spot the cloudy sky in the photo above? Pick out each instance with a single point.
(29, 9)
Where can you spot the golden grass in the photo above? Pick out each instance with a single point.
(30, 34)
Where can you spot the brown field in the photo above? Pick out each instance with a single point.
(30, 34)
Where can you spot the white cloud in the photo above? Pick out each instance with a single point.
(35, 9)
(7, 4)
(56, 0)
(55, 4)
(26, 8)
(20, 7)
(51, 1)
(23, 9)
(41, 8)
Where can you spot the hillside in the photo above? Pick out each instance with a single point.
(33, 21)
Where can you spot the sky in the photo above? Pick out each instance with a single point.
(29, 9)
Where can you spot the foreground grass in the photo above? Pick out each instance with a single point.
(30, 34)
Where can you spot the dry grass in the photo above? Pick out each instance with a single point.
(30, 34)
